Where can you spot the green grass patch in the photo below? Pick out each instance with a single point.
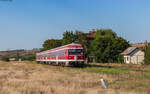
(107, 70)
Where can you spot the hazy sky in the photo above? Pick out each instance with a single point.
(27, 23)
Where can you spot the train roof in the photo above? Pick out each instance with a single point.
(72, 45)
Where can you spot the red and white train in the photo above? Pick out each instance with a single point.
(71, 54)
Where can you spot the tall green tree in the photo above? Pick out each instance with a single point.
(107, 46)
(51, 43)
(81, 38)
(68, 37)
(76, 37)
(147, 54)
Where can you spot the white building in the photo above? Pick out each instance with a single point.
(133, 55)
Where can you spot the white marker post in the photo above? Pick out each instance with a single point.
(103, 83)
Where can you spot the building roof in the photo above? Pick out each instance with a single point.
(139, 45)
(91, 34)
(129, 50)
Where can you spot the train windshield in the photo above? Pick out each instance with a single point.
(75, 51)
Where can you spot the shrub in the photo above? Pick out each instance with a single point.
(6, 59)
(120, 59)
(31, 58)
(147, 55)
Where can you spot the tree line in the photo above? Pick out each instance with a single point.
(106, 45)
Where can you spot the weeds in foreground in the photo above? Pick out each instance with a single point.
(31, 78)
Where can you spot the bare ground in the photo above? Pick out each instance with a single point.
(31, 78)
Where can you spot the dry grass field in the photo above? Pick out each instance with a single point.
(32, 78)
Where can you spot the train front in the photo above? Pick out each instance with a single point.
(76, 55)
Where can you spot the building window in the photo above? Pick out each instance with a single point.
(127, 58)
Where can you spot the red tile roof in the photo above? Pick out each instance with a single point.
(91, 34)
(138, 45)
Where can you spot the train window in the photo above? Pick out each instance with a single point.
(75, 51)
(57, 53)
(61, 53)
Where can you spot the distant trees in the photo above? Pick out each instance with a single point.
(51, 43)
(107, 46)
(147, 54)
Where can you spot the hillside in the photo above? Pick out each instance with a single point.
(21, 53)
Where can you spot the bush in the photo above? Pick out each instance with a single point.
(31, 58)
(147, 55)
(120, 59)
(6, 59)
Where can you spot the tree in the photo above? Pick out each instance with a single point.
(120, 59)
(107, 46)
(147, 55)
(81, 38)
(51, 43)
(118, 46)
(68, 37)
(77, 37)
